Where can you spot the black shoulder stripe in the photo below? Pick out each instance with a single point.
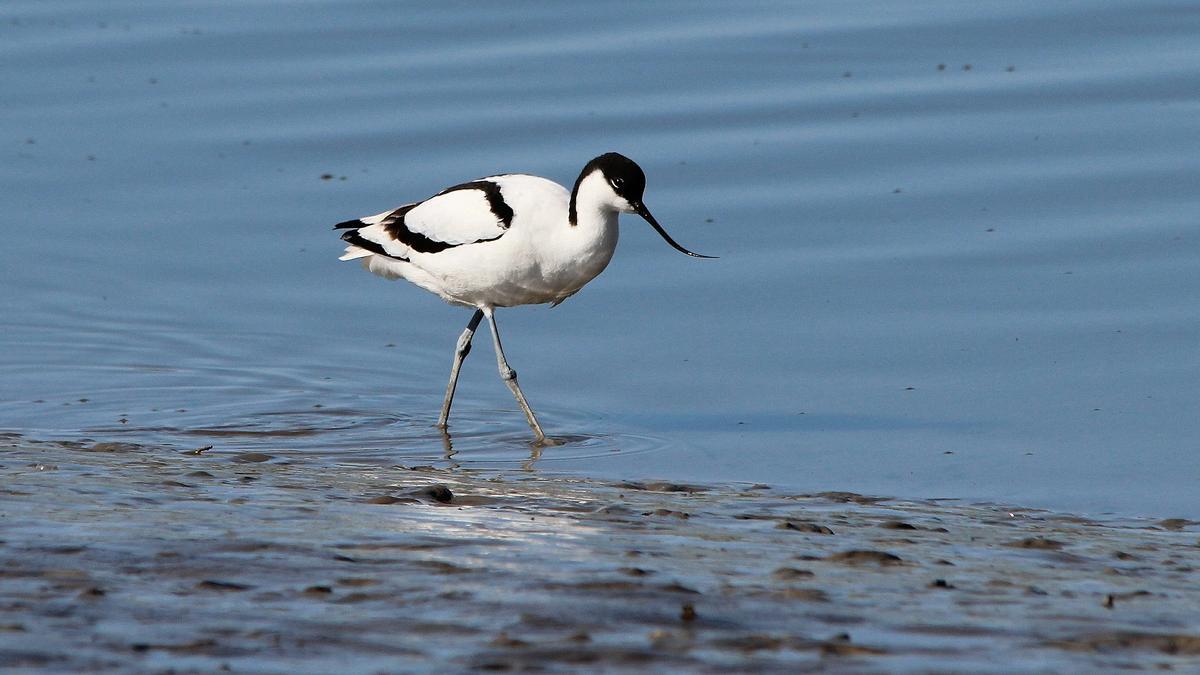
(395, 226)
(356, 223)
(355, 239)
(491, 191)
(572, 212)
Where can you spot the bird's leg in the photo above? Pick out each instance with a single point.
(510, 378)
(460, 355)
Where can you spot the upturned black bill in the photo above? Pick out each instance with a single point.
(645, 213)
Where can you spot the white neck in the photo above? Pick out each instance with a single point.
(595, 205)
(585, 246)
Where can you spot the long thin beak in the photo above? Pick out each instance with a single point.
(644, 212)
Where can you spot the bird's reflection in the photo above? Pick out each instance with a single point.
(448, 450)
(535, 451)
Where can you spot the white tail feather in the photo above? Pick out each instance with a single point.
(354, 252)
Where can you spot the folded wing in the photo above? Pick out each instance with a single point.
(465, 214)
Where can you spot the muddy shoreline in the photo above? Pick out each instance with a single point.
(120, 557)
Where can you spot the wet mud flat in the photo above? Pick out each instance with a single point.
(120, 557)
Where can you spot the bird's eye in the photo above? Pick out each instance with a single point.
(618, 183)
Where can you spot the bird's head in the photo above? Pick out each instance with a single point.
(624, 182)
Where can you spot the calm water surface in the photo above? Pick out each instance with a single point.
(959, 253)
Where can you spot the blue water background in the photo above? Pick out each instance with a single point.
(959, 242)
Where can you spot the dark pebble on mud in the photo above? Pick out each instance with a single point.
(197, 451)
(318, 590)
(197, 646)
(1037, 543)
(443, 567)
(212, 585)
(941, 583)
(438, 493)
(864, 556)
(65, 550)
(804, 527)
(354, 598)
(786, 573)
(175, 483)
(897, 525)
(687, 612)
(199, 474)
(1176, 523)
(503, 640)
(660, 486)
(667, 513)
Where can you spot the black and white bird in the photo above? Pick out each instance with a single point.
(502, 241)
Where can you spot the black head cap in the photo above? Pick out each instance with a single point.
(623, 174)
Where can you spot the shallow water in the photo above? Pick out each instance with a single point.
(959, 254)
(124, 558)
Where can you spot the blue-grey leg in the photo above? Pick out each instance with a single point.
(510, 378)
(460, 355)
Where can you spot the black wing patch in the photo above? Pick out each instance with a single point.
(396, 228)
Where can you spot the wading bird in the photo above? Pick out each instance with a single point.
(502, 241)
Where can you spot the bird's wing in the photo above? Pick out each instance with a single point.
(464, 214)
